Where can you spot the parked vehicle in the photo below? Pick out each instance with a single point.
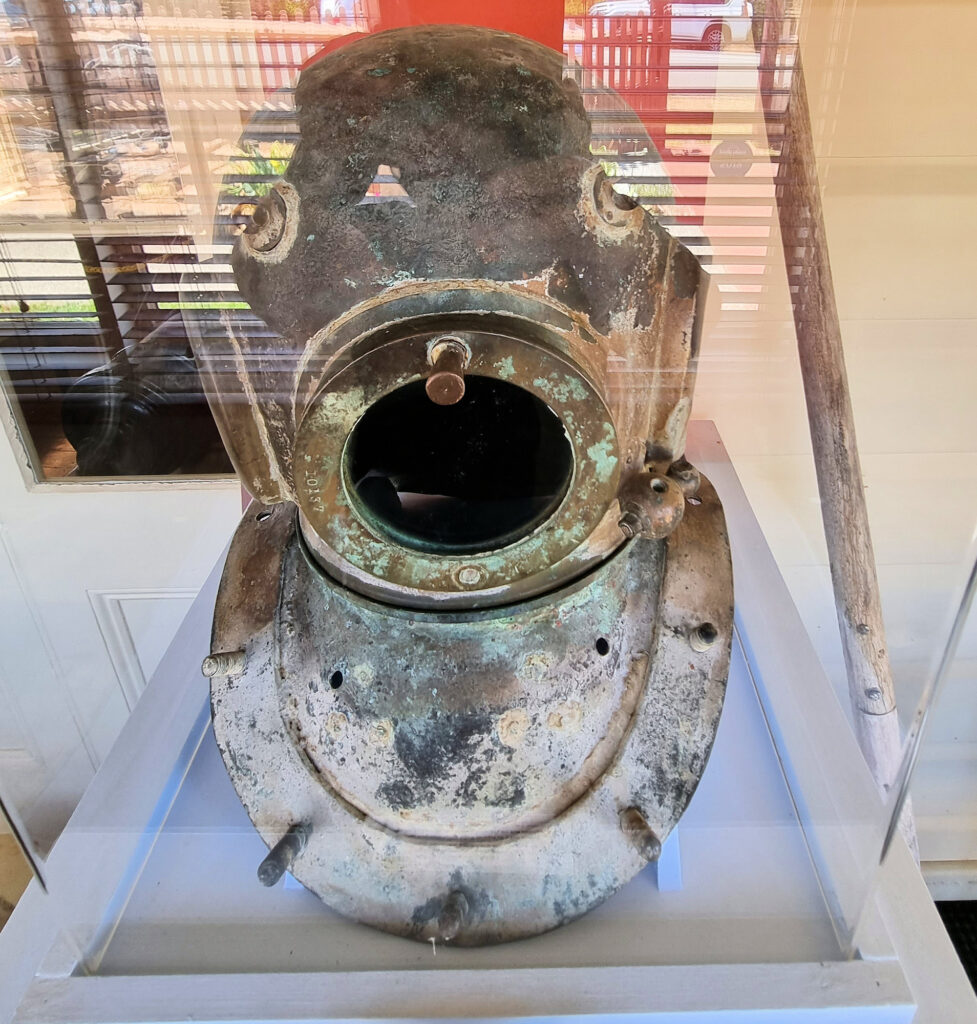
(711, 23)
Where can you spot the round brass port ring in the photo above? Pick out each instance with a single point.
(363, 553)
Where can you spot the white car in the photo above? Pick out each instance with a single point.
(710, 22)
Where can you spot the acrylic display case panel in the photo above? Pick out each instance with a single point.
(139, 142)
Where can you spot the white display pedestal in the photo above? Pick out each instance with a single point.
(154, 912)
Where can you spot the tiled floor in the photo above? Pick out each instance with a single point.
(14, 876)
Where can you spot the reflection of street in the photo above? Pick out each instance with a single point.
(693, 146)
(166, 99)
(158, 72)
(30, 162)
(684, 102)
(128, 110)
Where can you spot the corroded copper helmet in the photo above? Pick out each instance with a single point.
(472, 639)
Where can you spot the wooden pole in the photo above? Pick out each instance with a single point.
(843, 507)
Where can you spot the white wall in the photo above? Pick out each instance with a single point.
(93, 583)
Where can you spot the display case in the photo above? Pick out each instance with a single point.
(552, 668)
(768, 892)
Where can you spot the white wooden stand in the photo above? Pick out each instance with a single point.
(776, 912)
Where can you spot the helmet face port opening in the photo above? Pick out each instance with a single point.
(520, 471)
(463, 478)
